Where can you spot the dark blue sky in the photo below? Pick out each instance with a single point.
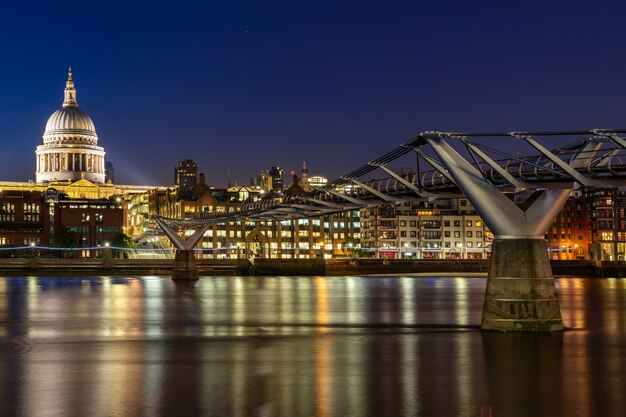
(247, 85)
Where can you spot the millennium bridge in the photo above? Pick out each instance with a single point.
(521, 294)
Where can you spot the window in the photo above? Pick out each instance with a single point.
(446, 233)
(479, 234)
(479, 223)
(431, 235)
(85, 218)
(463, 203)
(31, 212)
(457, 234)
(468, 223)
(402, 234)
(402, 223)
(430, 224)
(412, 223)
(7, 212)
(413, 234)
(457, 223)
(446, 223)
(31, 241)
(468, 234)
(105, 229)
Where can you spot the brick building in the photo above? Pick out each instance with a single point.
(24, 219)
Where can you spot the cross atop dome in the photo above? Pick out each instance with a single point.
(70, 91)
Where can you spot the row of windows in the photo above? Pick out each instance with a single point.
(98, 218)
(569, 236)
(7, 208)
(436, 224)
(447, 245)
(446, 233)
(28, 241)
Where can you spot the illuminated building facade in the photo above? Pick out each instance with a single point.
(449, 229)
(277, 178)
(24, 219)
(569, 236)
(608, 224)
(313, 237)
(70, 148)
(94, 223)
(317, 181)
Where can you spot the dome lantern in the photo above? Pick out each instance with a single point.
(70, 91)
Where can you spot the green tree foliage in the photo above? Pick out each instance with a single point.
(122, 241)
(65, 239)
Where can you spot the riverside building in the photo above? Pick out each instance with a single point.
(448, 229)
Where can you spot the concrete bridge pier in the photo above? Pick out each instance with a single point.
(185, 263)
(520, 295)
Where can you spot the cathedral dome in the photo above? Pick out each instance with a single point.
(70, 120)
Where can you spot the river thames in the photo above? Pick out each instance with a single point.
(301, 346)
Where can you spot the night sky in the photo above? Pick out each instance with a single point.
(247, 85)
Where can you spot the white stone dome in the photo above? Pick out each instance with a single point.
(67, 123)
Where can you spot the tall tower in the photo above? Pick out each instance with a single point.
(70, 148)
(277, 178)
(186, 175)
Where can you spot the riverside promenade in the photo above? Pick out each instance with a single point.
(267, 267)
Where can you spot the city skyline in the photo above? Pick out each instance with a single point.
(245, 87)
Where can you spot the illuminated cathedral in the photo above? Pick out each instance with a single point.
(70, 150)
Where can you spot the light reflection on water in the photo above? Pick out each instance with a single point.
(301, 346)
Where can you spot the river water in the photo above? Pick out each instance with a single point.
(301, 346)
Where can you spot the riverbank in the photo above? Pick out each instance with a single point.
(320, 267)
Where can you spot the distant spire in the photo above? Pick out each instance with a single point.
(70, 91)
(304, 179)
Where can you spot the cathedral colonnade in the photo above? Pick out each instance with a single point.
(70, 161)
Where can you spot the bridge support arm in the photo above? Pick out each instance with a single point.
(520, 295)
(185, 264)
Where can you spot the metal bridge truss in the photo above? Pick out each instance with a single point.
(593, 158)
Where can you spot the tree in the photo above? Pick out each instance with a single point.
(350, 247)
(66, 239)
(121, 240)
